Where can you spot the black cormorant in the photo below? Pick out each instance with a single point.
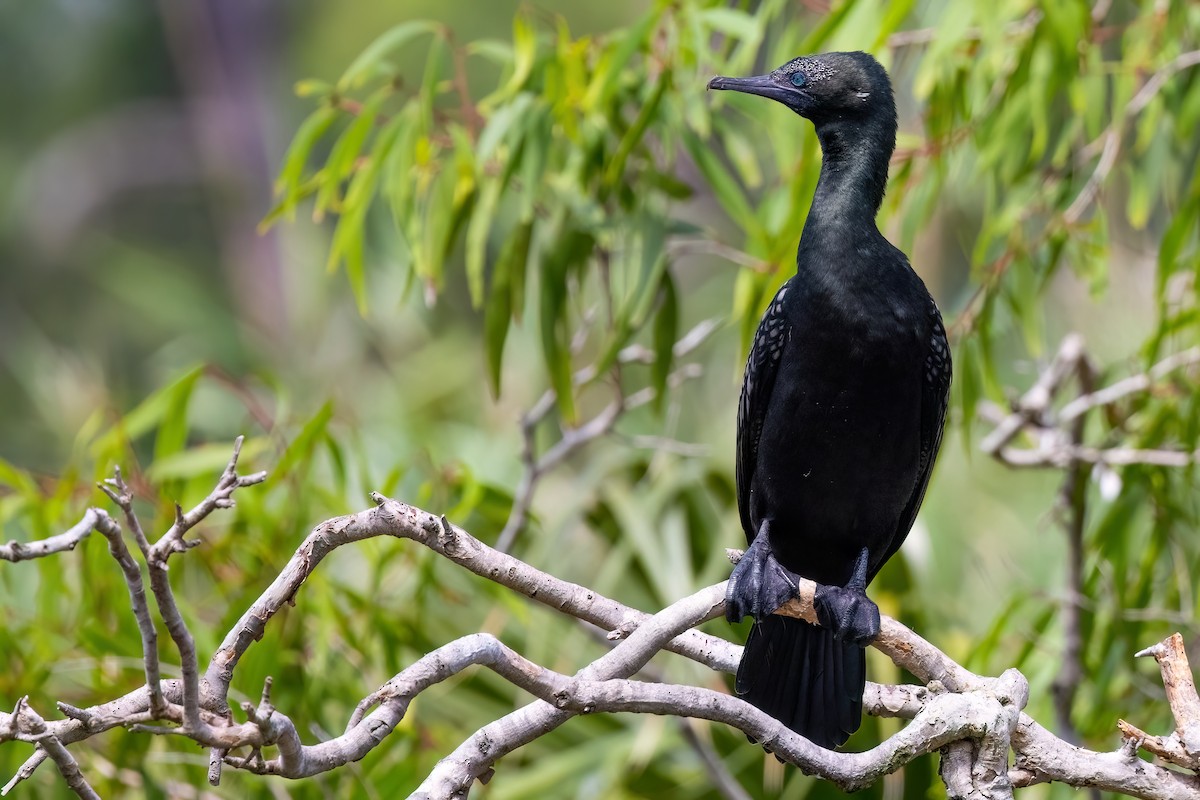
(841, 413)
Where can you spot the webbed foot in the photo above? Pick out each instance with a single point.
(846, 610)
(759, 584)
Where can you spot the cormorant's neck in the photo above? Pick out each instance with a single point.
(854, 170)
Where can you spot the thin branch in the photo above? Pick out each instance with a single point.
(1159, 79)
(712, 247)
(1073, 503)
(718, 774)
(120, 493)
(1052, 430)
(171, 542)
(572, 439)
(1033, 405)
(923, 36)
(137, 597)
(1182, 747)
(23, 551)
(29, 722)
(220, 497)
(1091, 189)
(1131, 385)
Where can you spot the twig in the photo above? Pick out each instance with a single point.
(572, 439)
(1131, 385)
(68, 767)
(718, 774)
(137, 592)
(23, 551)
(924, 36)
(1056, 445)
(171, 542)
(1087, 195)
(220, 497)
(712, 247)
(31, 723)
(1159, 79)
(1183, 746)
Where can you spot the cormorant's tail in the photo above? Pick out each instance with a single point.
(803, 677)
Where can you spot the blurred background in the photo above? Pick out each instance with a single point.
(147, 317)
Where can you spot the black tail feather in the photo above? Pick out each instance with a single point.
(799, 674)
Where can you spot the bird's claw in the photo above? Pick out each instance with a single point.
(848, 612)
(759, 584)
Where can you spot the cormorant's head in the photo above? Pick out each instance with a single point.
(824, 87)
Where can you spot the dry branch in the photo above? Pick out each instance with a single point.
(977, 720)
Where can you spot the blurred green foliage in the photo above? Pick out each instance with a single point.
(508, 211)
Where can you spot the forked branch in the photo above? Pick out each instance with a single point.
(977, 720)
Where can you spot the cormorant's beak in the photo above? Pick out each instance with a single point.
(762, 85)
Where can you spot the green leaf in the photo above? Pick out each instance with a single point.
(370, 59)
(1141, 197)
(666, 331)
(747, 296)
(432, 79)
(724, 187)
(536, 145)
(651, 265)
(311, 86)
(202, 460)
(347, 244)
(499, 125)
(145, 416)
(477, 237)
(496, 316)
(294, 161)
(299, 451)
(18, 479)
(633, 136)
(733, 22)
(569, 247)
(742, 154)
(607, 74)
(173, 430)
(524, 54)
(493, 50)
(344, 155)
(969, 383)
(895, 14)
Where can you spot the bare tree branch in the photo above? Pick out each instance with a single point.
(1183, 746)
(977, 720)
(33, 724)
(137, 592)
(171, 542)
(572, 439)
(1054, 431)
(23, 551)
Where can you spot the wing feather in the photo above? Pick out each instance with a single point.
(762, 365)
(935, 398)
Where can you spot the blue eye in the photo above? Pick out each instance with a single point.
(799, 79)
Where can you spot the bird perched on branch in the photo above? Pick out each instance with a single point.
(841, 413)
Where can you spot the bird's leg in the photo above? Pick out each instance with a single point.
(847, 611)
(759, 584)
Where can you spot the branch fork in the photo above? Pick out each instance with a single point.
(1181, 747)
(974, 720)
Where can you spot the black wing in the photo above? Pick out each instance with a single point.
(761, 367)
(935, 397)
